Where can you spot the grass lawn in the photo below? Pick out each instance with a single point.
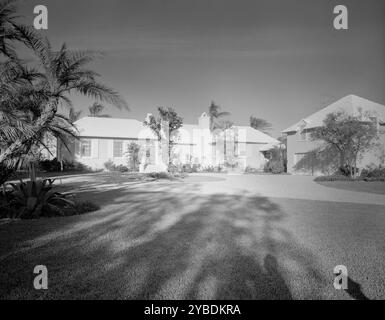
(172, 239)
(360, 186)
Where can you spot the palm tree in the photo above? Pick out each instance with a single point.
(96, 111)
(8, 33)
(260, 124)
(74, 115)
(30, 98)
(63, 72)
(216, 121)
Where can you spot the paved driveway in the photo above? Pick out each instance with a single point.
(209, 236)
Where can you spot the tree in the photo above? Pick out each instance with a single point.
(96, 110)
(225, 125)
(166, 115)
(133, 154)
(349, 136)
(8, 28)
(30, 97)
(216, 117)
(260, 124)
(74, 115)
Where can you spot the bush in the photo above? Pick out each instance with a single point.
(159, 175)
(333, 178)
(347, 171)
(249, 169)
(75, 166)
(110, 166)
(345, 178)
(55, 166)
(36, 199)
(50, 165)
(216, 169)
(172, 168)
(274, 166)
(33, 199)
(133, 156)
(188, 168)
(373, 172)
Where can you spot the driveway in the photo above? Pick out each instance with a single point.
(208, 236)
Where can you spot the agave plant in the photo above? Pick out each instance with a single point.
(33, 199)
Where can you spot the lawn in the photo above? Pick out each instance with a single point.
(196, 238)
(377, 187)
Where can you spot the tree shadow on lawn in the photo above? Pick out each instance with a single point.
(150, 243)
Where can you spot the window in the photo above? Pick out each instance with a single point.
(85, 148)
(118, 149)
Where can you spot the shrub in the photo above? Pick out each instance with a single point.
(373, 172)
(133, 156)
(110, 166)
(36, 199)
(345, 178)
(210, 168)
(121, 168)
(55, 166)
(33, 199)
(172, 168)
(333, 178)
(347, 171)
(159, 175)
(187, 168)
(249, 169)
(50, 165)
(75, 166)
(231, 165)
(274, 166)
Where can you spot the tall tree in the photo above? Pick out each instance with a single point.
(216, 116)
(260, 124)
(8, 32)
(96, 110)
(74, 115)
(174, 121)
(348, 135)
(30, 98)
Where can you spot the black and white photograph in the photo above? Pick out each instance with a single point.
(210, 151)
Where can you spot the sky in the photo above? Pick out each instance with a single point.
(277, 60)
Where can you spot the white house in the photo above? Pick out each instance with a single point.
(302, 155)
(107, 139)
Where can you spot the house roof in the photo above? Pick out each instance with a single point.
(113, 128)
(351, 104)
(255, 136)
(134, 129)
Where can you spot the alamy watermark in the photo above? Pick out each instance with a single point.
(340, 21)
(341, 279)
(41, 280)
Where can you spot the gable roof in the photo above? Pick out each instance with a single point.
(255, 136)
(350, 104)
(98, 127)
